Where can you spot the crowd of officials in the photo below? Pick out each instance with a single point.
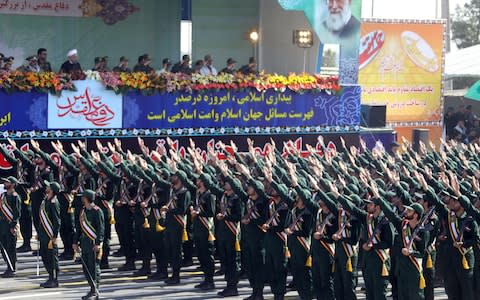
(39, 63)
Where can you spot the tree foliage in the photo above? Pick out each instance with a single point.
(466, 24)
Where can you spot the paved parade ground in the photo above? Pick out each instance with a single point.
(118, 285)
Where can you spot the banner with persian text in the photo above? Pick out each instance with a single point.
(401, 66)
(91, 106)
(241, 109)
(111, 11)
(93, 110)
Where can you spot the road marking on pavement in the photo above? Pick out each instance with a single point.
(31, 296)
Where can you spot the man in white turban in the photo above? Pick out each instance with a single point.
(71, 66)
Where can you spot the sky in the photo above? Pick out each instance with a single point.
(405, 9)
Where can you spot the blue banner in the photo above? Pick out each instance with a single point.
(242, 109)
(94, 111)
(23, 111)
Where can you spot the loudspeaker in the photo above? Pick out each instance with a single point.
(373, 115)
(419, 135)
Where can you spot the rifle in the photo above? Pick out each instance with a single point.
(422, 227)
(283, 206)
(321, 227)
(296, 220)
(377, 231)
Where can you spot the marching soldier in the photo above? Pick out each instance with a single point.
(50, 226)
(411, 281)
(376, 241)
(275, 239)
(24, 175)
(67, 179)
(105, 193)
(299, 231)
(41, 173)
(89, 235)
(228, 233)
(10, 209)
(461, 238)
(202, 212)
(175, 222)
(256, 208)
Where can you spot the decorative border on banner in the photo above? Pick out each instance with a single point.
(444, 51)
(85, 133)
(412, 124)
(406, 21)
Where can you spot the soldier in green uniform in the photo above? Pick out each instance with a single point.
(412, 242)
(228, 233)
(276, 253)
(65, 174)
(202, 212)
(461, 238)
(376, 242)
(10, 209)
(90, 232)
(175, 223)
(158, 198)
(299, 231)
(122, 211)
(48, 233)
(24, 176)
(67, 179)
(41, 173)
(256, 210)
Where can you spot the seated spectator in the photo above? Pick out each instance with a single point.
(183, 66)
(122, 66)
(230, 68)
(31, 65)
(143, 64)
(208, 68)
(7, 63)
(42, 60)
(198, 66)
(97, 64)
(72, 66)
(251, 68)
(166, 65)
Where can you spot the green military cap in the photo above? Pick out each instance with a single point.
(302, 182)
(466, 189)
(404, 185)
(380, 183)
(356, 200)
(305, 195)
(30, 153)
(256, 184)
(377, 201)
(182, 176)
(281, 189)
(206, 179)
(165, 172)
(10, 179)
(353, 188)
(54, 186)
(89, 194)
(464, 202)
(416, 207)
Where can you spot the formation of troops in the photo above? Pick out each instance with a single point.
(399, 216)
